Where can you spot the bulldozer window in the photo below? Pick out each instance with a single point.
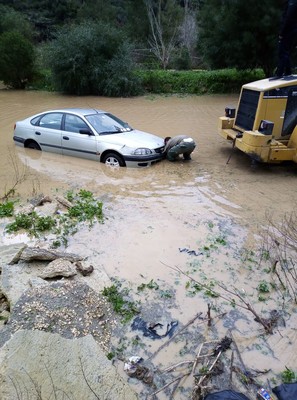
(290, 119)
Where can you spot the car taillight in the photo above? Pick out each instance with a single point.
(14, 127)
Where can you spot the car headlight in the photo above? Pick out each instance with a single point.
(142, 151)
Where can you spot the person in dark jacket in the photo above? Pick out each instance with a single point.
(287, 38)
(177, 145)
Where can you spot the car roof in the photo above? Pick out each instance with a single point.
(78, 111)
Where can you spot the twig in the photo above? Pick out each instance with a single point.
(175, 389)
(172, 367)
(231, 368)
(246, 305)
(208, 315)
(86, 380)
(209, 370)
(197, 357)
(237, 351)
(179, 378)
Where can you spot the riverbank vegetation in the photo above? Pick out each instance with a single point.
(132, 47)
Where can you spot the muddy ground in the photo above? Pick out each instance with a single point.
(204, 217)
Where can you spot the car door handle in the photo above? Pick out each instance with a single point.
(37, 133)
(65, 137)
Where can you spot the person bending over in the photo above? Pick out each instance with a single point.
(178, 145)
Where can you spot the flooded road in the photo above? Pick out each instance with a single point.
(154, 214)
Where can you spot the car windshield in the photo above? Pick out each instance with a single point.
(105, 124)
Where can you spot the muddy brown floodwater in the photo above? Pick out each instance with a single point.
(206, 205)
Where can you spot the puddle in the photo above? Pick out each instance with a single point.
(206, 206)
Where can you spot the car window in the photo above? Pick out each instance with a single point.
(107, 123)
(74, 123)
(51, 120)
(35, 120)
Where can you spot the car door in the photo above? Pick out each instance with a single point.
(48, 132)
(78, 140)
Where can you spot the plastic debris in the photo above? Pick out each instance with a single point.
(262, 394)
(131, 366)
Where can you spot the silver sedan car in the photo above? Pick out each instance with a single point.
(89, 133)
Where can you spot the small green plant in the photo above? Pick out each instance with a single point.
(263, 287)
(203, 370)
(6, 209)
(221, 240)
(266, 255)
(262, 298)
(86, 208)
(121, 305)
(193, 288)
(33, 223)
(209, 291)
(110, 356)
(210, 225)
(151, 285)
(288, 376)
(166, 294)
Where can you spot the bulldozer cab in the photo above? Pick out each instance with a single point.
(264, 124)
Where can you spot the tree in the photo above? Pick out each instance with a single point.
(239, 34)
(46, 15)
(189, 26)
(89, 59)
(16, 61)
(13, 21)
(165, 19)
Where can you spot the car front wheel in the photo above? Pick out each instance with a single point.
(113, 160)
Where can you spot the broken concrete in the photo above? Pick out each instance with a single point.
(36, 364)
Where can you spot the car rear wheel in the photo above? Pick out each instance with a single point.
(113, 160)
(33, 145)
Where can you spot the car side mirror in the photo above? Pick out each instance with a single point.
(86, 131)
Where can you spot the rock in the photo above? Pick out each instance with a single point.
(69, 308)
(41, 200)
(11, 254)
(36, 253)
(46, 210)
(64, 202)
(4, 316)
(84, 268)
(58, 268)
(24, 209)
(36, 364)
(16, 278)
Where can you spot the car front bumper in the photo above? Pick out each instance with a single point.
(142, 161)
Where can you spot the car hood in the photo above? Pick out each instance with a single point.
(134, 139)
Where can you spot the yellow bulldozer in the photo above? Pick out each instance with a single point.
(264, 124)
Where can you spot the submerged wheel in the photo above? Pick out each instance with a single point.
(33, 145)
(113, 160)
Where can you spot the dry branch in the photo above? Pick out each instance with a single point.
(244, 303)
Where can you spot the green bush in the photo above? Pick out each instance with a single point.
(197, 81)
(16, 61)
(92, 59)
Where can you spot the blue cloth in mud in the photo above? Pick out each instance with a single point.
(151, 331)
